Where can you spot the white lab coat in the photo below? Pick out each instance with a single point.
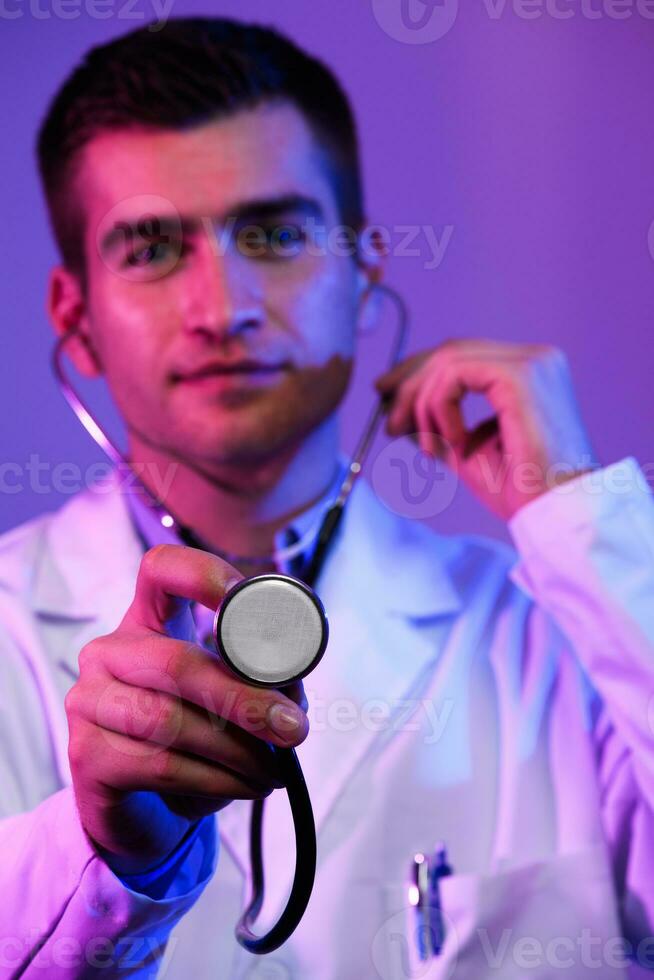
(497, 700)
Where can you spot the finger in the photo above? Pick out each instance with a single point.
(426, 432)
(498, 379)
(406, 379)
(482, 347)
(163, 770)
(170, 576)
(159, 719)
(402, 418)
(481, 435)
(148, 660)
(441, 403)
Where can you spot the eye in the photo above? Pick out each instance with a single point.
(285, 234)
(146, 261)
(270, 241)
(153, 254)
(282, 242)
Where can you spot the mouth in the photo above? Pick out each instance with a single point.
(247, 374)
(235, 367)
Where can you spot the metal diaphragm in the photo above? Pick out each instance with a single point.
(270, 629)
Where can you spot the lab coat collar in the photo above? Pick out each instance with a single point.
(91, 555)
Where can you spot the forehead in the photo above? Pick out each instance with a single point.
(256, 153)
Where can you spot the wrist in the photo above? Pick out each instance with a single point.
(141, 864)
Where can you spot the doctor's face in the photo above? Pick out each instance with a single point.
(198, 257)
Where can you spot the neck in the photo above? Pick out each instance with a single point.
(239, 506)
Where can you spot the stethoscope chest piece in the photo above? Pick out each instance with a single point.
(271, 629)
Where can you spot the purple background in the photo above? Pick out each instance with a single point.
(532, 138)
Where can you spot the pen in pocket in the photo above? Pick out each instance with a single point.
(424, 896)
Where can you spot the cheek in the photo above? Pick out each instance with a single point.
(323, 315)
(129, 309)
(127, 370)
(129, 348)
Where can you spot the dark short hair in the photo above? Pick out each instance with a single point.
(190, 71)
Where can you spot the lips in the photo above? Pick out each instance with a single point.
(225, 368)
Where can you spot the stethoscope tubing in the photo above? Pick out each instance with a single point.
(287, 760)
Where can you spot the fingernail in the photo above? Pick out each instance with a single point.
(287, 721)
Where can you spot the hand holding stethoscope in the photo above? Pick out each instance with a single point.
(269, 630)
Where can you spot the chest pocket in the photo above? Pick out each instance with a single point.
(556, 917)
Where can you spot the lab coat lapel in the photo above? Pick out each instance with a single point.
(383, 583)
(88, 566)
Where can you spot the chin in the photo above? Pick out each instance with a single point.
(238, 428)
(247, 442)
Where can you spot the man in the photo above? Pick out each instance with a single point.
(494, 700)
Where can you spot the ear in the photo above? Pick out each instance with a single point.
(371, 260)
(66, 308)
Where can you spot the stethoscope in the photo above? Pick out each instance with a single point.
(269, 630)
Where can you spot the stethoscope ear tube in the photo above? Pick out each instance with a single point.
(288, 763)
(305, 861)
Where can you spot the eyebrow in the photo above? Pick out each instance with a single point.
(157, 225)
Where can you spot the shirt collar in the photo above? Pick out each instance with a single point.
(81, 562)
(303, 526)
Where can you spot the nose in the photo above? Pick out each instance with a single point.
(222, 297)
